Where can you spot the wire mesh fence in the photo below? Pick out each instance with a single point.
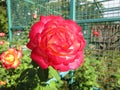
(22, 11)
(100, 20)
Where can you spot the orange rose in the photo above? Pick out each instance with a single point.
(11, 58)
(2, 83)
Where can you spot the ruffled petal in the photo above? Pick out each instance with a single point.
(73, 26)
(36, 28)
(61, 67)
(15, 64)
(77, 61)
(34, 42)
(39, 58)
(46, 19)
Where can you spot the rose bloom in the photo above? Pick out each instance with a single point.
(11, 58)
(56, 42)
(2, 34)
(2, 42)
(3, 82)
(95, 33)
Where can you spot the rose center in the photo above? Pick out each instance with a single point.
(9, 58)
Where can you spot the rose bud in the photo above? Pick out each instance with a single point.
(95, 33)
(2, 34)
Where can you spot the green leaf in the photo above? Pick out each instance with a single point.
(52, 86)
(54, 73)
(119, 81)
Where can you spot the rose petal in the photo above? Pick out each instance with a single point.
(36, 28)
(61, 67)
(33, 43)
(46, 19)
(77, 61)
(15, 64)
(38, 57)
(73, 26)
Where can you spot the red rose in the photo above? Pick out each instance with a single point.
(2, 34)
(11, 58)
(95, 33)
(56, 42)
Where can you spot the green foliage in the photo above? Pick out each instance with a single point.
(109, 72)
(11, 75)
(86, 76)
(3, 17)
(54, 73)
(29, 77)
(4, 46)
(20, 37)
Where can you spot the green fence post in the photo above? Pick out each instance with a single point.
(9, 19)
(72, 9)
(73, 17)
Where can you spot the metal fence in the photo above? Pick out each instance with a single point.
(100, 20)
